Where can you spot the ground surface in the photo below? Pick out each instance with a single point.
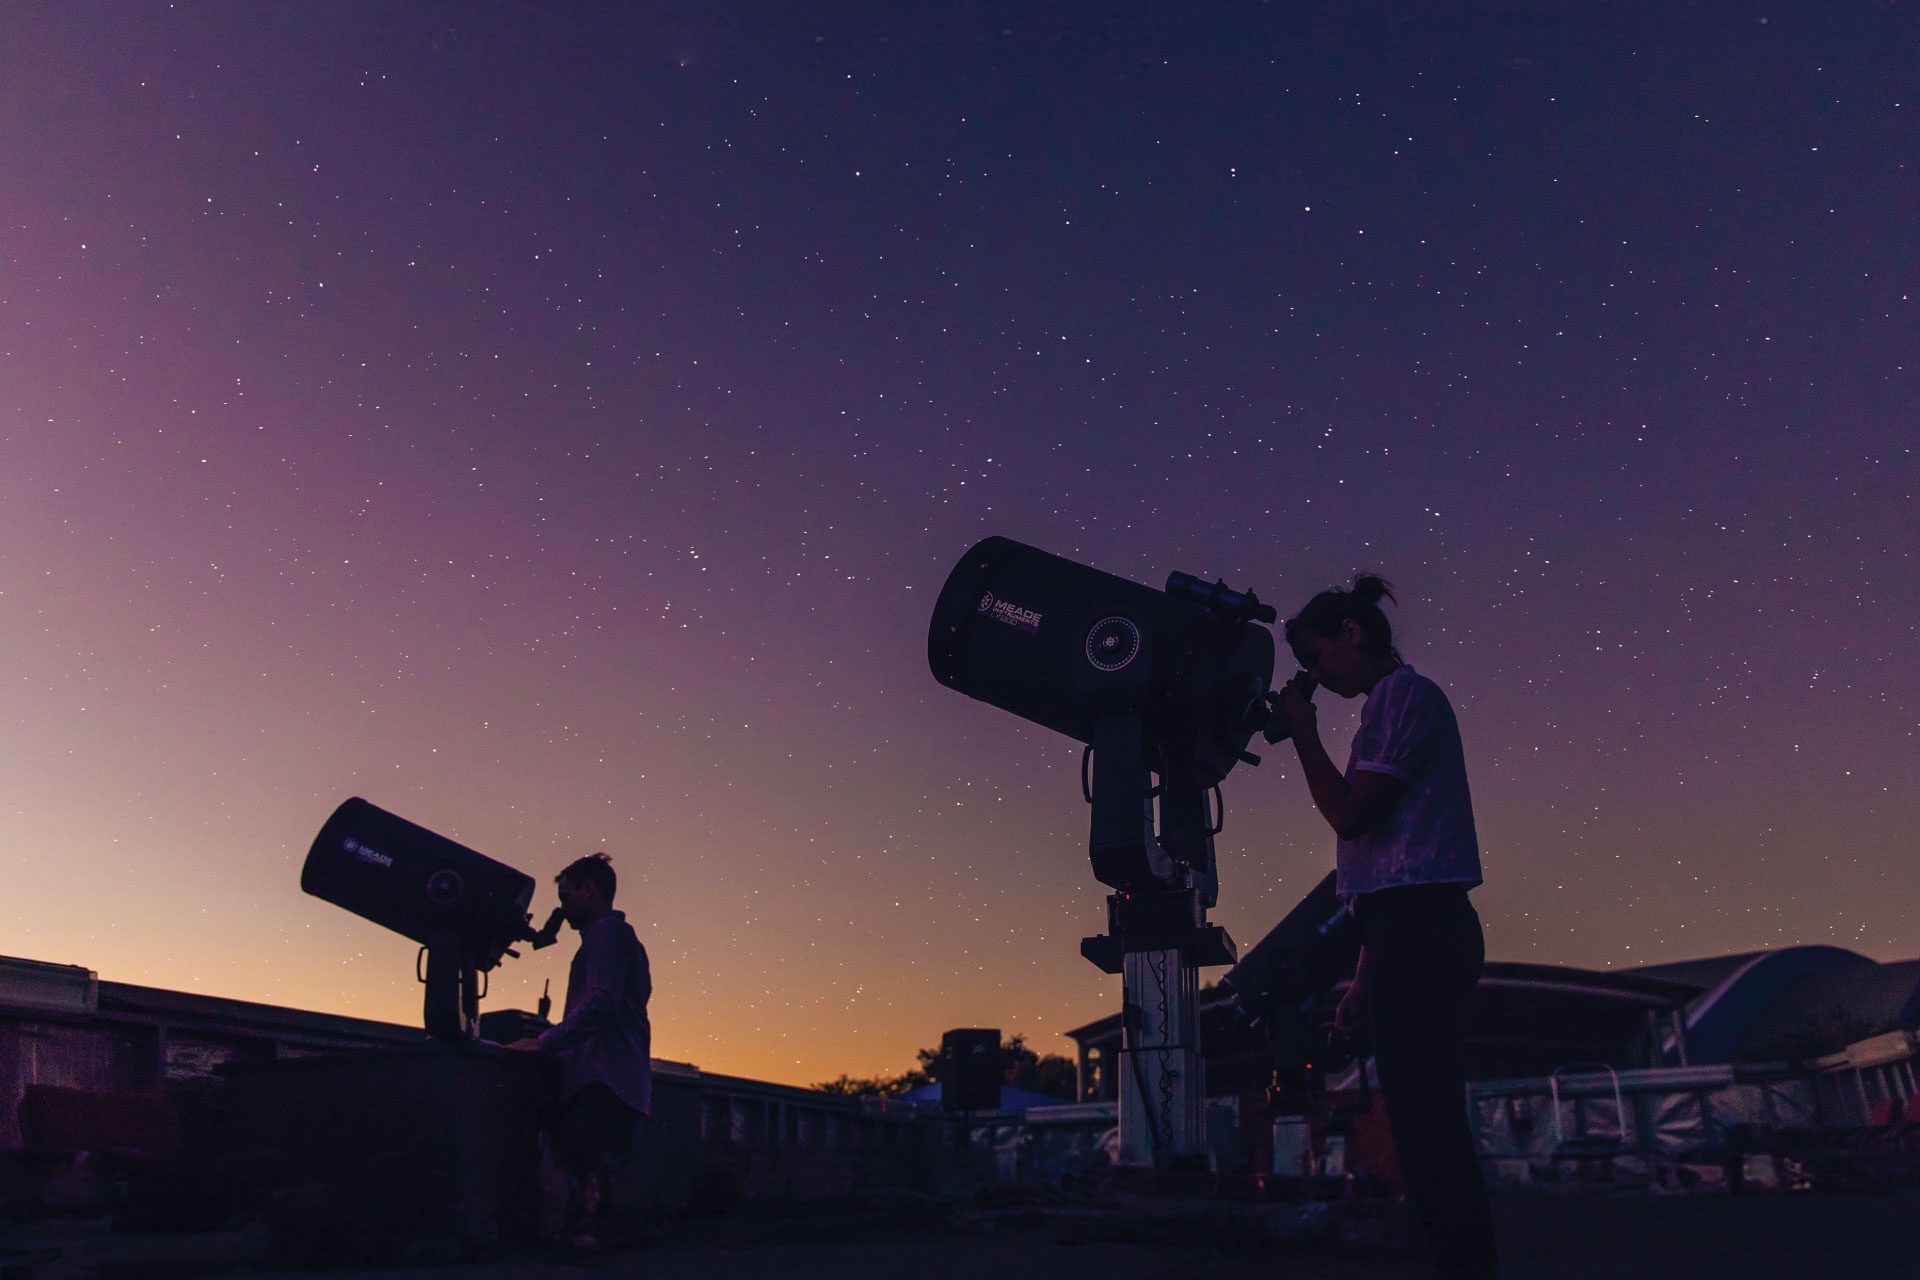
(1562, 1238)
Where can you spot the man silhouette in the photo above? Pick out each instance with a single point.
(603, 1041)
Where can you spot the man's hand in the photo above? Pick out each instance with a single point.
(530, 1043)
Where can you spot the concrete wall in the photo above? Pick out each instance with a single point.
(713, 1139)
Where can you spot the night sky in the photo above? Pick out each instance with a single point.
(554, 422)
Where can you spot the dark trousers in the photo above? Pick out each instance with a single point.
(1424, 954)
(593, 1130)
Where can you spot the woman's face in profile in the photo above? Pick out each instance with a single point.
(1336, 661)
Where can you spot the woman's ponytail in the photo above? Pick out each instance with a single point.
(1371, 588)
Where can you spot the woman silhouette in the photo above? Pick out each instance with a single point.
(1407, 855)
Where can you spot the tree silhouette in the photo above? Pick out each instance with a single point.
(1051, 1074)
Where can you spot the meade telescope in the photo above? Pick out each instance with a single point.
(463, 908)
(1168, 682)
(1158, 684)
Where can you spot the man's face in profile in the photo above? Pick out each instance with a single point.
(579, 902)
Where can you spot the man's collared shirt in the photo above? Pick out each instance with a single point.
(603, 1036)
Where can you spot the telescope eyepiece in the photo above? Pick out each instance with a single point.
(547, 934)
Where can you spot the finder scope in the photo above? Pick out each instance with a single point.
(1241, 606)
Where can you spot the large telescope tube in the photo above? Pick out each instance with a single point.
(462, 907)
(1153, 682)
(1064, 646)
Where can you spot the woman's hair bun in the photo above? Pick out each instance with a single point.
(1372, 588)
(1329, 611)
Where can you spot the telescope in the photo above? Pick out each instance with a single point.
(1311, 950)
(1168, 682)
(464, 909)
(1280, 988)
(1165, 684)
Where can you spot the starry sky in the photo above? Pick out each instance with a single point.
(554, 422)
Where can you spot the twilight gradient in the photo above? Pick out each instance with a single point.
(553, 423)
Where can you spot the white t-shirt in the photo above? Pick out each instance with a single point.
(1407, 730)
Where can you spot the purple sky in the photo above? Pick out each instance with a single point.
(553, 424)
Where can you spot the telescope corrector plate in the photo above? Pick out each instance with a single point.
(1112, 643)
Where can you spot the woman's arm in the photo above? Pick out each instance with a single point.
(1349, 808)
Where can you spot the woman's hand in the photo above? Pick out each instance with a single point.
(1350, 1017)
(1349, 807)
(1293, 710)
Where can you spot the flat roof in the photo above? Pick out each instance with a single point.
(187, 1009)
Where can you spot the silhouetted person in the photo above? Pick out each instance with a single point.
(1407, 855)
(603, 1042)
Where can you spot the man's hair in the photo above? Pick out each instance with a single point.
(595, 869)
